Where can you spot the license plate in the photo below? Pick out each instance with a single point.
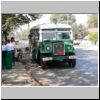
(72, 57)
(47, 59)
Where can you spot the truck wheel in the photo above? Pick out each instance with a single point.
(33, 59)
(44, 64)
(72, 63)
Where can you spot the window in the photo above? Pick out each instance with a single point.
(63, 35)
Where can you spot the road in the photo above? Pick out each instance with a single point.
(84, 74)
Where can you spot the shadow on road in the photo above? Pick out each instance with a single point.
(59, 74)
(57, 65)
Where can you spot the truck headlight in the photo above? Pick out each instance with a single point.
(68, 47)
(48, 48)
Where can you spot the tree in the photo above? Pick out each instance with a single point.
(93, 37)
(11, 22)
(63, 18)
(79, 31)
(23, 34)
(82, 31)
(75, 30)
(92, 21)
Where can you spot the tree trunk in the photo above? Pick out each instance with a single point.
(5, 35)
(5, 38)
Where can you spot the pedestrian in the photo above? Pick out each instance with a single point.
(31, 41)
(9, 48)
(13, 49)
(3, 55)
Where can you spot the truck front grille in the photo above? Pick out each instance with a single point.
(58, 48)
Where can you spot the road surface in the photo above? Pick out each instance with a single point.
(84, 74)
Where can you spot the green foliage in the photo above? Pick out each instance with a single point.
(93, 37)
(92, 21)
(10, 22)
(23, 35)
(63, 18)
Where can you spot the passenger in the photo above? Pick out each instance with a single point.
(13, 49)
(3, 55)
(9, 48)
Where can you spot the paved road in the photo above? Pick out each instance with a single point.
(84, 74)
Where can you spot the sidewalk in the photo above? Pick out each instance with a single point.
(18, 76)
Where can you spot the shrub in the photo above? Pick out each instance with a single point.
(93, 37)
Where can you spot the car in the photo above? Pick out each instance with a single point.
(76, 42)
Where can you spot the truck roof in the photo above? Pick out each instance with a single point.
(51, 26)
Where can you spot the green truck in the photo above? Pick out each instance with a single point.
(52, 42)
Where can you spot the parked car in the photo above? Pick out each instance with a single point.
(76, 42)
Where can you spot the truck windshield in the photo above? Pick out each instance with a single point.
(48, 36)
(55, 35)
(63, 35)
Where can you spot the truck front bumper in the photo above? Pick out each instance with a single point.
(59, 58)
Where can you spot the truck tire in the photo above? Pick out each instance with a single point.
(72, 63)
(43, 63)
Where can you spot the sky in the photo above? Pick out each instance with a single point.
(81, 18)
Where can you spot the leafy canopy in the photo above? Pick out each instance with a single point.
(13, 21)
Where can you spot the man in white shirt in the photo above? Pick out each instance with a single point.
(9, 46)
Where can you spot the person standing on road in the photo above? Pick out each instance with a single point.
(3, 55)
(13, 49)
(31, 41)
(9, 48)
